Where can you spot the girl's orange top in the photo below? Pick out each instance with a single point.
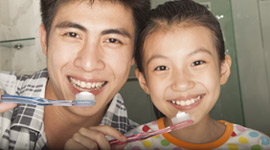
(212, 145)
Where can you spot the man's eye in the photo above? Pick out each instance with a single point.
(112, 40)
(72, 34)
(199, 62)
(161, 68)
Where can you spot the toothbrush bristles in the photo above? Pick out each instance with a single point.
(85, 96)
(180, 117)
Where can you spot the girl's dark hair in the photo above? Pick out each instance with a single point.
(175, 13)
(140, 9)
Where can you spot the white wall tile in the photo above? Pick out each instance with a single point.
(21, 20)
(252, 64)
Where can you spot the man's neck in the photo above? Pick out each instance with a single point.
(60, 124)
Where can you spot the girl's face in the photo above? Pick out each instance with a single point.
(182, 71)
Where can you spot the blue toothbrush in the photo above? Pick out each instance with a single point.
(82, 99)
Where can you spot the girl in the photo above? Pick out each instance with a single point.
(181, 64)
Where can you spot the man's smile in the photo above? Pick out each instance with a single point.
(86, 86)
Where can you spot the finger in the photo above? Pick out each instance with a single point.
(71, 144)
(85, 141)
(95, 136)
(6, 106)
(108, 130)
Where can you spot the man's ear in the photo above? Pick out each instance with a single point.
(225, 69)
(142, 80)
(43, 39)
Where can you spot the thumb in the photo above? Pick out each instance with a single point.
(6, 106)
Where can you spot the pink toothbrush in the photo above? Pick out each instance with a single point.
(181, 120)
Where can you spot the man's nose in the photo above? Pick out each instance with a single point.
(90, 57)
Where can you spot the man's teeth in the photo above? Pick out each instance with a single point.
(85, 86)
(186, 102)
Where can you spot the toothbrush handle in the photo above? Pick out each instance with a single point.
(40, 101)
(142, 136)
(33, 100)
(19, 99)
(130, 138)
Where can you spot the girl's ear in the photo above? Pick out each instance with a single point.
(225, 69)
(43, 39)
(142, 81)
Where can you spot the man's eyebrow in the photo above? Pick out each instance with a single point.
(69, 24)
(120, 31)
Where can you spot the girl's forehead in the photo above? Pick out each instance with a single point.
(162, 32)
(181, 38)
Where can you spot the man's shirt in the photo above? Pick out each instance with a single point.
(23, 126)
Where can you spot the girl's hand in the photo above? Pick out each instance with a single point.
(94, 138)
(6, 106)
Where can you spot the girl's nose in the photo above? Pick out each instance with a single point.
(90, 58)
(182, 81)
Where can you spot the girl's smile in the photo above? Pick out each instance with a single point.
(185, 103)
(182, 70)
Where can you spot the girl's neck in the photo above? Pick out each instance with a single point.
(207, 130)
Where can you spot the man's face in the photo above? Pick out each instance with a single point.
(89, 49)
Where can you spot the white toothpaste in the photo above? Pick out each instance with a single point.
(180, 117)
(85, 96)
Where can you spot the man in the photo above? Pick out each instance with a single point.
(89, 47)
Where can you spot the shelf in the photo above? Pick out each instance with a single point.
(18, 43)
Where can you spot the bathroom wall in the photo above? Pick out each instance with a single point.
(19, 25)
(252, 36)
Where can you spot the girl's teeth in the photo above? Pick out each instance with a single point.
(186, 102)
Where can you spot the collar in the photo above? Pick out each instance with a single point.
(212, 145)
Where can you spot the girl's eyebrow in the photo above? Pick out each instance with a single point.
(154, 57)
(199, 50)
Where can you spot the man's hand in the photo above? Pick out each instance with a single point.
(94, 138)
(6, 106)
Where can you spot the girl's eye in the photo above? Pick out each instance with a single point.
(72, 34)
(112, 40)
(161, 68)
(199, 62)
